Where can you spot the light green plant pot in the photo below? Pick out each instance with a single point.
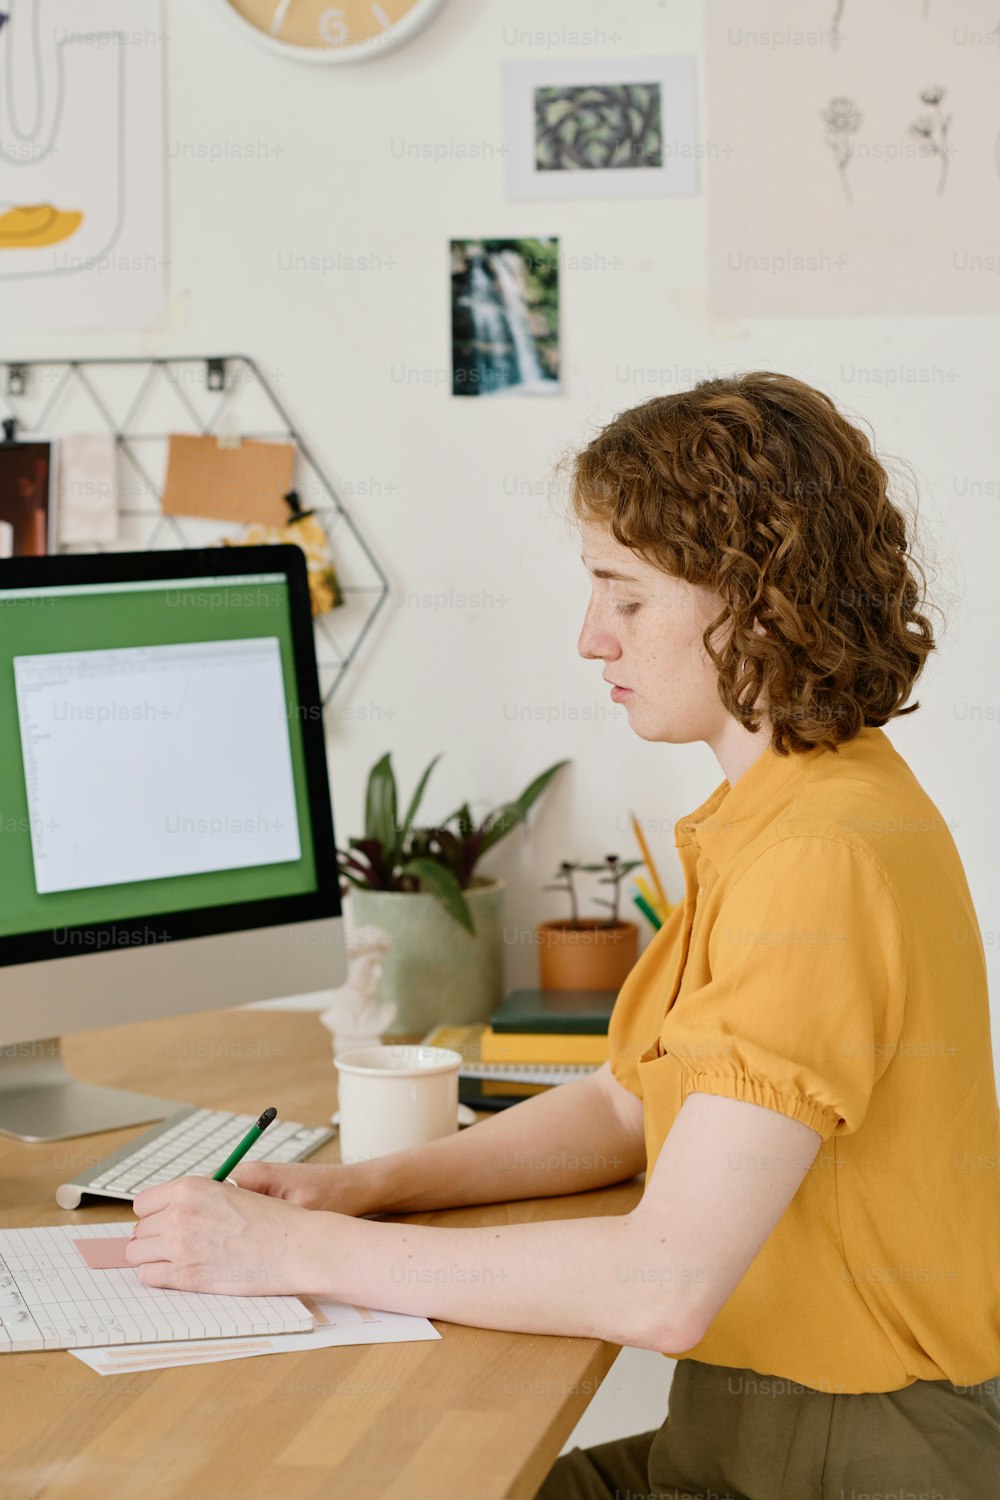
(436, 971)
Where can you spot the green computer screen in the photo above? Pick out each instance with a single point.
(149, 727)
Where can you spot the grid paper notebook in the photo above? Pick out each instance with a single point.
(49, 1299)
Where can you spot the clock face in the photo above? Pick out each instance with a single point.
(318, 31)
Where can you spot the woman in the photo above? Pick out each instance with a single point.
(800, 1061)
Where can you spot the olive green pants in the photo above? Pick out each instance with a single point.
(732, 1434)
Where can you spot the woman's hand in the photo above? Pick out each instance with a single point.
(198, 1235)
(343, 1190)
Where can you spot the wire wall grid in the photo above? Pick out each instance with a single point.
(141, 402)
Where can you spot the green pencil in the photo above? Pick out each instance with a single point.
(244, 1145)
(646, 910)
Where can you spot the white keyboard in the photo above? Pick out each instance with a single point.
(191, 1143)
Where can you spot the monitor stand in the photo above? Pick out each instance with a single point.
(40, 1101)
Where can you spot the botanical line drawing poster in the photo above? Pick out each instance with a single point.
(82, 175)
(855, 162)
(602, 127)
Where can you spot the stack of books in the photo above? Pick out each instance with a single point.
(537, 1037)
(550, 1026)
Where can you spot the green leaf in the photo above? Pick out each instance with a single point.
(441, 883)
(513, 813)
(420, 843)
(533, 791)
(466, 825)
(411, 811)
(380, 807)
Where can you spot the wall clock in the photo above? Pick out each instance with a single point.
(315, 31)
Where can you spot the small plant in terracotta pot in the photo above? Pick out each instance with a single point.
(588, 953)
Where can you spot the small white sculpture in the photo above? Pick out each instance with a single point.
(357, 1018)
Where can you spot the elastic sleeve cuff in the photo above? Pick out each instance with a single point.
(755, 1091)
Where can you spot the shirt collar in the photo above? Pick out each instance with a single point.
(767, 785)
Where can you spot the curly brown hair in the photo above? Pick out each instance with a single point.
(756, 487)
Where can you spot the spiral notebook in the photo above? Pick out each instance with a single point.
(51, 1299)
(465, 1039)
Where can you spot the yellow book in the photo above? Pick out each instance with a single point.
(466, 1041)
(542, 1047)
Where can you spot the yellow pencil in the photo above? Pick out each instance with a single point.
(646, 892)
(648, 858)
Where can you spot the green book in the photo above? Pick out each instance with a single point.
(579, 1012)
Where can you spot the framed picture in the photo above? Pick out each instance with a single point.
(505, 317)
(601, 128)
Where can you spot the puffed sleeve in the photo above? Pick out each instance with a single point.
(803, 1005)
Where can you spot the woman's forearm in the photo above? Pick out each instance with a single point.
(568, 1140)
(586, 1278)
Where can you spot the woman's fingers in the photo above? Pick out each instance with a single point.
(258, 1177)
(143, 1248)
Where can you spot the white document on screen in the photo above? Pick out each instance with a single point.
(156, 761)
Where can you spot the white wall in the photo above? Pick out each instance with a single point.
(461, 498)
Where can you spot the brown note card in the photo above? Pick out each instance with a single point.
(244, 483)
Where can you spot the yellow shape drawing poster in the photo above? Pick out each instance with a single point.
(82, 220)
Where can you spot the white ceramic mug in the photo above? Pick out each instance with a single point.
(395, 1096)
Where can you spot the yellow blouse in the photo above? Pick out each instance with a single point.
(826, 963)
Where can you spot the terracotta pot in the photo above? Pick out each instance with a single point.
(588, 955)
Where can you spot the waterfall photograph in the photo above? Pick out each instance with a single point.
(505, 317)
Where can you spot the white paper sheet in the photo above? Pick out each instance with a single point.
(50, 1299)
(87, 509)
(854, 162)
(336, 1324)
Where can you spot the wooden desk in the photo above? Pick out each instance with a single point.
(481, 1414)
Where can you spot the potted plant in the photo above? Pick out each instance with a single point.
(419, 884)
(588, 953)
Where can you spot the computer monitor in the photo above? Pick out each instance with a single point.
(166, 834)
